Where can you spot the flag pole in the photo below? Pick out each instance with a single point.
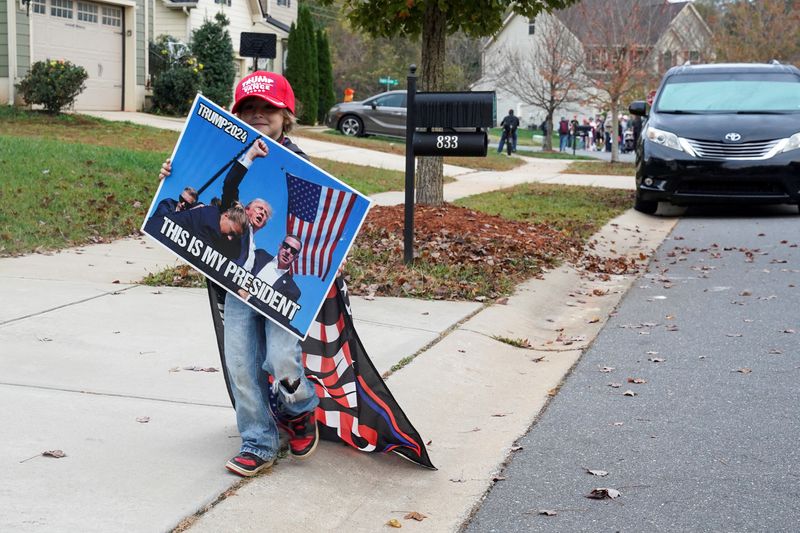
(408, 232)
(225, 167)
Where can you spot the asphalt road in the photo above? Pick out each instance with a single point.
(710, 441)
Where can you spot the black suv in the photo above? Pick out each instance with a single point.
(720, 132)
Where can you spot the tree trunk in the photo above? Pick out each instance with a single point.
(430, 183)
(547, 137)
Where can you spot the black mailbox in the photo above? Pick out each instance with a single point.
(455, 110)
(468, 112)
(463, 143)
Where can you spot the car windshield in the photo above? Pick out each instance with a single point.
(730, 93)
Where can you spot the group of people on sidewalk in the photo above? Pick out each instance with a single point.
(595, 133)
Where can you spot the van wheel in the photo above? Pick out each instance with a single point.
(351, 126)
(648, 207)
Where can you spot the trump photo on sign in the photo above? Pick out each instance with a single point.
(260, 221)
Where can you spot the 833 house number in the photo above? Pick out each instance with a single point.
(447, 141)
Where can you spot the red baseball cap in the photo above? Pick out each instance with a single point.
(267, 86)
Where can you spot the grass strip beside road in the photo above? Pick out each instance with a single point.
(602, 168)
(391, 145)
(571, 209)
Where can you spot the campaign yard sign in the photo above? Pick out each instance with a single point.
(282, 265)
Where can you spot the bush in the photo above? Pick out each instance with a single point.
(212, 45)
(179, 78)
(53, 84)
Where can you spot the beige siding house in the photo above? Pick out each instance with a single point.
(674, 34)
(109, 38)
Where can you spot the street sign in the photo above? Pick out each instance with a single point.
(388, 82)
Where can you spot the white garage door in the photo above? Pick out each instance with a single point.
(88, 34)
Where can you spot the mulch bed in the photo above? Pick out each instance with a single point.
(460, 254)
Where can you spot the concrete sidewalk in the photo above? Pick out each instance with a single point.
(117, 376)
(124, 379)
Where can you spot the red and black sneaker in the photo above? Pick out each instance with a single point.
(246, 464)
(303, 435)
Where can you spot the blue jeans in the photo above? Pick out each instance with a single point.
(255, 346)
(563, 139)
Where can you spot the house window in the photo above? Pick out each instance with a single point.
(112, 16)
(666, 60)
(531, 26)
(39, 6)
(223, 2)
(285, 3)
(61, 8)
(87, 12)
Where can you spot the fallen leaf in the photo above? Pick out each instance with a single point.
(553, 391)
(743, 370)
(775, 351)
(638, 381)
(593, 320)
(733, 334)
(607, 369)
(603, 493)
(548, 512)
(516, 448)
(789, 331)
(629, 393)
(58, 454)
(615, 385)
(599, 473)
(143, 419)
(413, 515)
(201, 369)
(498, 478)
(657, 359)
(394, 522)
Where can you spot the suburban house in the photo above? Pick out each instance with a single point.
(110, 39)
(667, 33)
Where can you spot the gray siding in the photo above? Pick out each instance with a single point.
(141, 43)
(23, 43)
(3, 39)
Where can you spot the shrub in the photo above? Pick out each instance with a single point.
(53, 84)
(212, 45)
(179, 79)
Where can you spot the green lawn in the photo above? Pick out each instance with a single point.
(72, 179)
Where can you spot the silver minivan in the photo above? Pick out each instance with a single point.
(382, 114)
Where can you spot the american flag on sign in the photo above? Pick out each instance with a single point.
(317, 215)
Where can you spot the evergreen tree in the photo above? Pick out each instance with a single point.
(327, 97)
(211, 44)
(301, 66)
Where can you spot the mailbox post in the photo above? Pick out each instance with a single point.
(460, 120)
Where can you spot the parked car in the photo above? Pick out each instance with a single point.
(720, 133)
(382, 114)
